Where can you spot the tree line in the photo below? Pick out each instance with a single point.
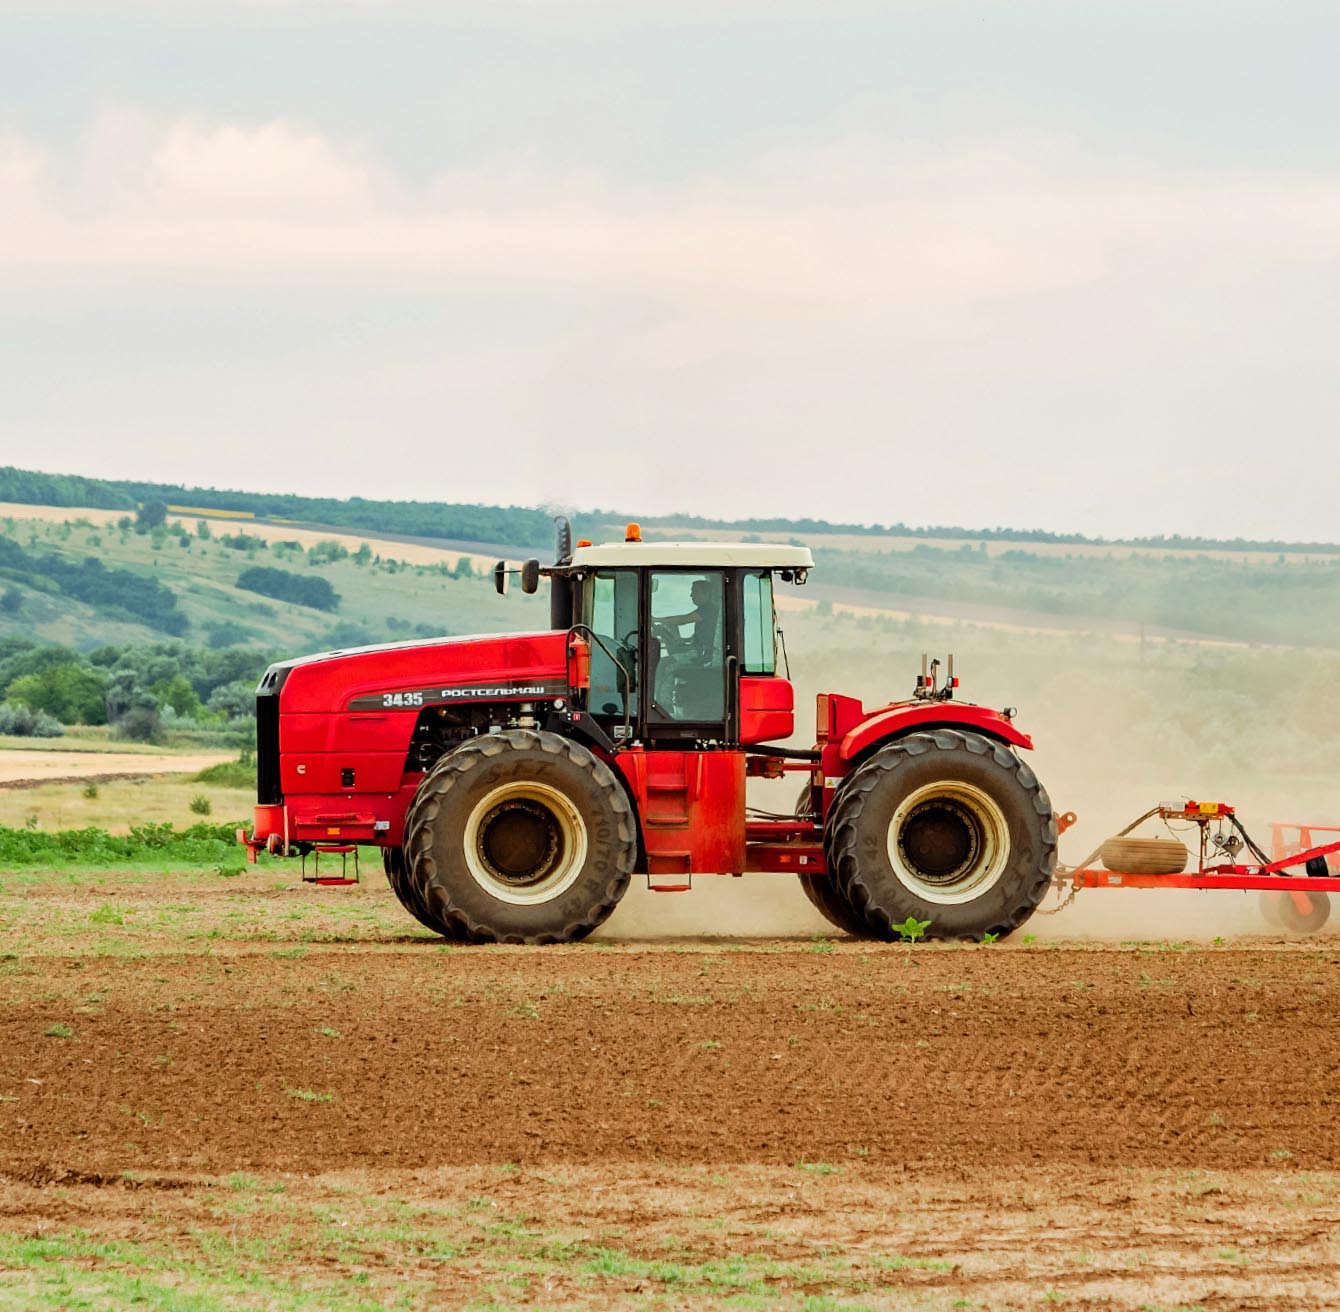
(140, 690)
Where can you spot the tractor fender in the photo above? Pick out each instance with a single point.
(898, 721)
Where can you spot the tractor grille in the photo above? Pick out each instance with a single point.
(267, 750)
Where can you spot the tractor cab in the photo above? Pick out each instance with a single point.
(683, 638)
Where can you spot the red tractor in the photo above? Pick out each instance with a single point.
(516, 782)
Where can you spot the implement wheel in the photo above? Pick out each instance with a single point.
(520, 837)
(1300, 920)
(1144, 856)
(947, 827)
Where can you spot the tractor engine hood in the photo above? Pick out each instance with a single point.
(404, 676)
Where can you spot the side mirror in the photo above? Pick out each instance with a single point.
(500, 577)
(530, 576)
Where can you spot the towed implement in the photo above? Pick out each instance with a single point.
(1294, 880)
(515, 783)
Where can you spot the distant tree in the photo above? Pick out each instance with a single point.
(132, 710)
(326, 552)
(202, 530)
(11, 602)
(363, 555)
(234, 701)
(177, 693)
(225, 633)
(151, 514)
(73, 693)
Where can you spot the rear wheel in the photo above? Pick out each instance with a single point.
(520, 837)
(822, 890)
(944, 827)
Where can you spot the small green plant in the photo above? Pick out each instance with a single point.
(329, 1033)
(820, 944)
(710, 1045)
(201, 805)
(90, 791)
(525, 1011)
(58, 1031)
(1030, 939)
(106, 914)
(988, 938)
(310, 1095)
(817, 1168)
(912, 929)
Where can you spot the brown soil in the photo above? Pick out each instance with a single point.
(916, 1060)
(1104, 1127)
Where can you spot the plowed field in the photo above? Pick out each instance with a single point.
(260, 1095)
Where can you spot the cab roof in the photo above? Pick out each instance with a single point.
(705, 555)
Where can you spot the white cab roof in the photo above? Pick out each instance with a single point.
(705, 555)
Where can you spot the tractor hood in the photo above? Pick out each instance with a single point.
(408, 675)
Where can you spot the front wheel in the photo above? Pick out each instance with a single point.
(520, 837)
(944, 827)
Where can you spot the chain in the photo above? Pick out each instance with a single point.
(1068, 899)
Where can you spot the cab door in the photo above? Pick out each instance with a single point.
(690, 658)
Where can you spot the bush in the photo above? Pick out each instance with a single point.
(22, 721)
(201, 805)
(230, 774)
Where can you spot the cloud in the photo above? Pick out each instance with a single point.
(1016, 305)
(838, 231)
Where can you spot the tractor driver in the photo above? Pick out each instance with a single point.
(703, 617)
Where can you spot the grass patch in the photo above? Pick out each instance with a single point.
(198, 844)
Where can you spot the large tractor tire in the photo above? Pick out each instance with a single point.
(945, 827)
(393, 862)
(822, 890)
(1144, 856)
(520, 837)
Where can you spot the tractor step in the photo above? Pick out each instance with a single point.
(343, 879)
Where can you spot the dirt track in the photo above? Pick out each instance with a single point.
(21, 768)
(422, 1057)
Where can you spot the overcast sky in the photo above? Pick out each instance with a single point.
(1071, 264)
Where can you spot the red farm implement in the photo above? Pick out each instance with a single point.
(1294, 879)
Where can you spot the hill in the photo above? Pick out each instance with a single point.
(225, 568)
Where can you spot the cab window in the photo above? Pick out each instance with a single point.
(687, 646)
(609, 607)
(760, 625)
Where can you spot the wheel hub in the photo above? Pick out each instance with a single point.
(520, 841)
(525, 843)
(940, 840)
(948, 842)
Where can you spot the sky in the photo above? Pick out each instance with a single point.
(1060, 264)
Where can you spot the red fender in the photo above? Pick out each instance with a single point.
(897, 721)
